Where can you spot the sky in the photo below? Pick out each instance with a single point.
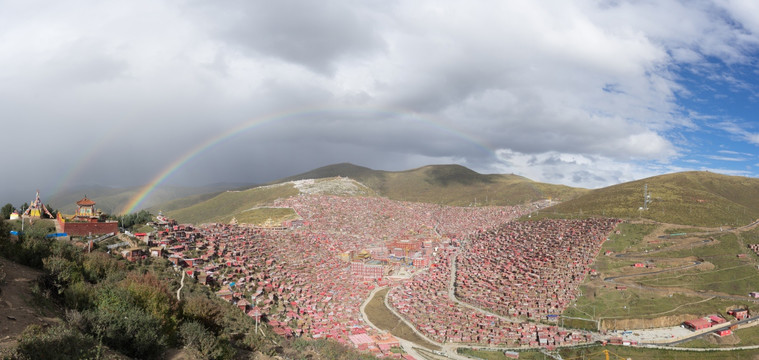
(581, 93)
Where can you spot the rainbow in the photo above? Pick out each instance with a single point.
(135, 201)
(82, 162)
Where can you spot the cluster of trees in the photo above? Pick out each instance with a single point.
(129, 221)
(6, 211)
(132, 308)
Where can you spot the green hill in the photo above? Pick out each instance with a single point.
(453, 185)
(441, 184)
(226, 205)
(690, 198)
(250, 206)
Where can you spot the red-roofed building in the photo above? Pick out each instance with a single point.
(361, 341)
(716, 320)
(698, 324)
(739, 314)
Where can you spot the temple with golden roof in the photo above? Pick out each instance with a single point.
(87, 221)
(85, 211)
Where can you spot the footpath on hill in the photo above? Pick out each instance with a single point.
(16, 302)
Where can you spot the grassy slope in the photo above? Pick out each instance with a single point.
(688, 198)
(384, 319)
(441, 184)
(446, 184)
(182, 203)
(226, 205)
(260, 215)
(250, 206)
(730, 275)
(631, 352)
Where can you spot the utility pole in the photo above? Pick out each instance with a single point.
(646, 197)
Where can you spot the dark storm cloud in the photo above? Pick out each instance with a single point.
(81, 62)
(314, 34)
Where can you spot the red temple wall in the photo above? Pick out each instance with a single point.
(84, 229)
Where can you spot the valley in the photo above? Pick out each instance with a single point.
(332, 259)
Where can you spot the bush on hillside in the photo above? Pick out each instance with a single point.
(57, 342)
(201, 343)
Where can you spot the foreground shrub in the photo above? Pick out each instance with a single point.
(201, 343)
(57, 342)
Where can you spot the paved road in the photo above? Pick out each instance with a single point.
(408, 346)
(181, 285)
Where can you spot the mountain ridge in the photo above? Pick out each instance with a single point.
(698, 198)
(452, 185)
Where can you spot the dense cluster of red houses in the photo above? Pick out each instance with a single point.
(377, 218)
(425, 301)
(299, 281)
(530, 268)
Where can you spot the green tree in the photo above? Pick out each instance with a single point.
(201, 343)
(122, 324)
(130, 220)
(129, 330)
(6, 211)
(204, 310)
(5, 229)
(98, 266)
(61, 272)
(152, 295)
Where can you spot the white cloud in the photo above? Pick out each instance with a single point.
(738, 131)
(725, 158)
(589, 171)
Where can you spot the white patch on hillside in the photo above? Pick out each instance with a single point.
(331, 186)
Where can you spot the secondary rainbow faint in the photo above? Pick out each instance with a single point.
(146, 190)
(92, 149)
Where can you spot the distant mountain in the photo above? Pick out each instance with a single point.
(453, 185)
(690, 198)
(109, 199)
(441, 184)
(112, 199)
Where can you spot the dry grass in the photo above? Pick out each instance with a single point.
(384, 319)
(624, 352)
